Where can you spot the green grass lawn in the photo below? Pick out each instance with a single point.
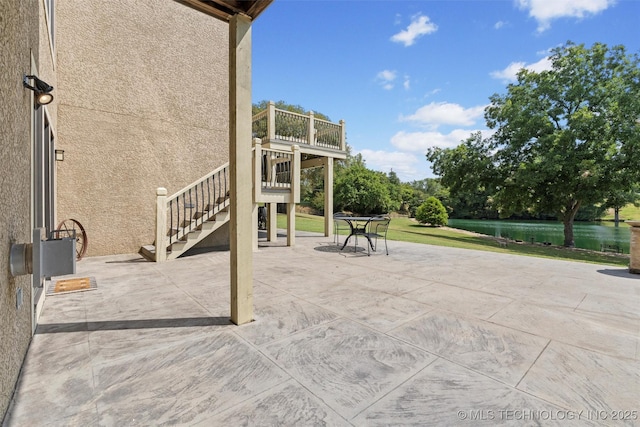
(629, 212)
(406, 230)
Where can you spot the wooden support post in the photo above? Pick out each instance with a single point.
(272, 222)
(295, 196)
(328, 196)
(291, 224)
(257, 187)
(161, 224)
(257, 169)
(311, 136)
(241, 174)
(295, 174)
(271, 126)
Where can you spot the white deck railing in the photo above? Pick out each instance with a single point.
(276, 179)
(275, 171)
(275, 125)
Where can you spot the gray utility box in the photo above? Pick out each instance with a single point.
(44, 258)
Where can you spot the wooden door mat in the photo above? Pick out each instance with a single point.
(76, 284)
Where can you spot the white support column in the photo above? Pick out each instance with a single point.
(241, 172)
(291, 224)
(161, 224)
(312, 130)
(257, 187)
(271, 117)
(272, 222)
(295, 196)
(343, 136)
(295, 174)
(257, 170)
(328, 196)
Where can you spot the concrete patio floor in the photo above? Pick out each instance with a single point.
(425, 336)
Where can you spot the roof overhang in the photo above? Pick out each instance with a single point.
(225, 9)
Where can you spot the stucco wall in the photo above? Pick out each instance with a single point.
(19, 40)
(143, 103)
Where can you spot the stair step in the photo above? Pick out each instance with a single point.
(209, 225)
(222, 215)
(177, 246)
(202, 222)
(149, 252)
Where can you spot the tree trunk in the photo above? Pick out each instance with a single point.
(616, 216)
(568, 231)
(567, 220)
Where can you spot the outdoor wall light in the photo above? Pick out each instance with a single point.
(59, 155)
(41, 89)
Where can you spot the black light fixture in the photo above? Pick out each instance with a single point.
(42, 89)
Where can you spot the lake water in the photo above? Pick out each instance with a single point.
(587, 235)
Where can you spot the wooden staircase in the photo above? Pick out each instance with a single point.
(187, 217)
(193, 237)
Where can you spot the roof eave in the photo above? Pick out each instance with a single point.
(224, 9)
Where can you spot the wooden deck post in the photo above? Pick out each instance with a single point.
(311, 135)
(241, 173)
(272, 222)
(295, 196)
(161, 224)
(328, 196)
(271, 120)
(257, 187)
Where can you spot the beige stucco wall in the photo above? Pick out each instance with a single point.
(143, 103)
(20, 42)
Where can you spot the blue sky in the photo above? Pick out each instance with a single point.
(406, 75)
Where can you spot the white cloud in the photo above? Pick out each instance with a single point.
(407, 83)
(407, 166)
(545, 11)
(509, 74)
(420, 26)
(433, 92)
(408, 159)
(444, 113)
(420, 142)
(499, 24)
(386, 79)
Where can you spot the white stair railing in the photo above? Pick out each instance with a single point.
(185, 217)
(188, 209)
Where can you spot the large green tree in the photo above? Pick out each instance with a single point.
(469, 173)
(567, 136)
(361, 190)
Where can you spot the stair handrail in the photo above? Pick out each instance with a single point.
(189, 208)
(198, 181)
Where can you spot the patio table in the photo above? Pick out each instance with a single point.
(359, 226)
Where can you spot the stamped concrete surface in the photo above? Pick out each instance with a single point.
(425, 336)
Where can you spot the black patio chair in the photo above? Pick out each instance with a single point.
(262, 218)
(378, 228)
(337, 224)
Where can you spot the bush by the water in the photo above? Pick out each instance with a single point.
(433, 212)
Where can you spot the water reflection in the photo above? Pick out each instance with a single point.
(588, 235)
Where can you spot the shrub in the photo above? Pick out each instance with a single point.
(433, 212)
